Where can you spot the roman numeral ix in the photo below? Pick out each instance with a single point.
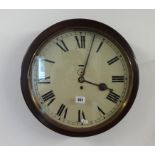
(62, 46)
(81, 41)
(113, 97)
(49, 96)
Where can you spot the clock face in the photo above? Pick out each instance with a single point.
(79, 80)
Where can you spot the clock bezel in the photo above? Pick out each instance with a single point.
(77, 24)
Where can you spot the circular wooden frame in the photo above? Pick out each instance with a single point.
(78, 24)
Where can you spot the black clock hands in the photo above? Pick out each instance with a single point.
(83, 72)
(101, 86)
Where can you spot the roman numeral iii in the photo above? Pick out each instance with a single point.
(62, 111)
(62, 46)
(113, 97)
(81, 115)
(117, 78)
(80, 41)
(49, 96)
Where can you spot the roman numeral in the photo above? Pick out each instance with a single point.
(62, 111)
(99, 47)
(44, 80)
(113, 97)
(81, 65)
(100, 110)
(112, 60)
(117, 78)
(81, 115)
(47, 60)
(48, 96)
(81, 41)
(62, 46)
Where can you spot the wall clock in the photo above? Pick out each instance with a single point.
(79, 77)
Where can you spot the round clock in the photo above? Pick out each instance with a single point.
(79, 77)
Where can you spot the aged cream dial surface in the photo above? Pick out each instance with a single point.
(57, 67)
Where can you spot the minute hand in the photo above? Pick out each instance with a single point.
(82, 75)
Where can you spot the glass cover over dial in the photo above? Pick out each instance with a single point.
(79, 79)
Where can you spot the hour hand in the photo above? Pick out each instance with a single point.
(101, 86)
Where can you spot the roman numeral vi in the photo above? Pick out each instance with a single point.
(81, 115)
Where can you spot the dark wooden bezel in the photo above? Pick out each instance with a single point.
(78, 24)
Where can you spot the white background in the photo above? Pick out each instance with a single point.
(17, 30)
